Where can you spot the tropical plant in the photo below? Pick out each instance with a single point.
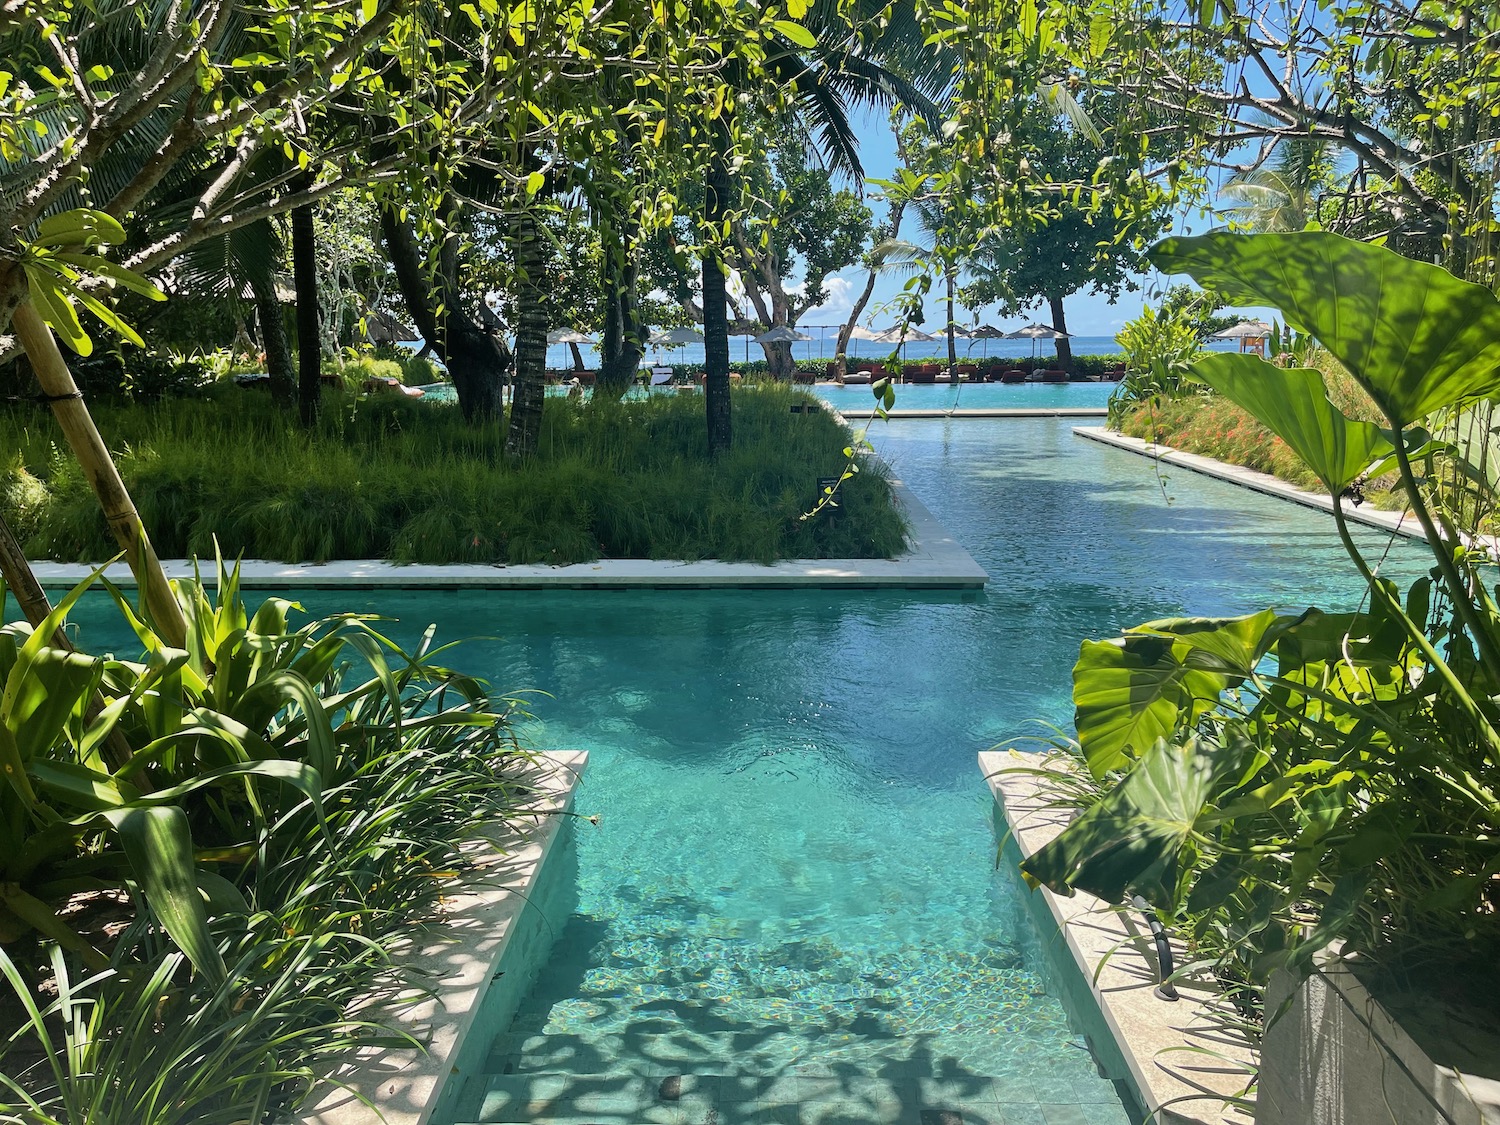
(133, 772)
(1159, 347)
(307, 889)
(1278, 781)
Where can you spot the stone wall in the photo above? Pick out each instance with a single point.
(1334, 1056)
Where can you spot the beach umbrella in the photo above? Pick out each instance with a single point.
(985, 332)
(1035, 332)
(781, 334)
(573, 337)
(860, 332)
(676, 337)
(1250, 334)
(902, 338)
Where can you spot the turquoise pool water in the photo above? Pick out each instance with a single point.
(790, 892)
(971, 396)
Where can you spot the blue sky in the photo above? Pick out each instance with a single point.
(1088, 314)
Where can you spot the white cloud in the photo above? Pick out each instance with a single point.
(836, 307)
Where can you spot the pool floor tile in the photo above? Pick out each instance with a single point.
(973, 1089)
(1090, 1114)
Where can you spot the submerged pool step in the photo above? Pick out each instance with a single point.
(629, 1098)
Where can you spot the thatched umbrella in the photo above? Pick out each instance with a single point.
(1035, 332)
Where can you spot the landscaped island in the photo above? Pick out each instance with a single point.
(413, 482)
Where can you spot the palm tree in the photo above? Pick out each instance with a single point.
(1281, 197)
(821, 82)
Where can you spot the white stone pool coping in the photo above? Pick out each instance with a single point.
(1401, 523)
(458, 954)
(936, 561)
(1162, 1041)
(981, 412)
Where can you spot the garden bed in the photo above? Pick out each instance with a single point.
(411, 482)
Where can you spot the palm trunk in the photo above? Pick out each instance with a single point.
(1064, 345)
(530, 387)
(270, 319)
(950, 275)
(309, 346)
(716, 302)
(99, 470)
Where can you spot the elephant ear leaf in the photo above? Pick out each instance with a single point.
(1131, 691)
(1131, 842)
(159, 846)
(1413, 335)
(1293, 403)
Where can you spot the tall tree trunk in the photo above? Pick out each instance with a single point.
(891, 229)
(475, 360)
(716, 300)
(1064, 345)
(779, 361)
(950, 275)
(270, 319)
(622, 346)
(529, 389)
(305, 281)
(56, 381)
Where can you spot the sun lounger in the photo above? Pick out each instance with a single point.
(661, 376)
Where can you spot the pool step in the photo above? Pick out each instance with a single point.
(1066, 1097)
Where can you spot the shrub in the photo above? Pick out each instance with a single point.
(306, 809)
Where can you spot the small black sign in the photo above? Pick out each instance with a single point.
(825, 485)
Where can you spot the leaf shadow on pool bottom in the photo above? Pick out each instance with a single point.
(592, 1012)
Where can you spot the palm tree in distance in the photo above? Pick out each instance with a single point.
(1284, 196)
(821, 82)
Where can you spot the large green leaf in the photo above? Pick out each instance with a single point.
(1293, 403)
(1416, 337)
(42, 692)
(1131, 691)
(159, 845)
(1131, 841)
(1235, 645)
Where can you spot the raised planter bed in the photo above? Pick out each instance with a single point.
(1337, 1056)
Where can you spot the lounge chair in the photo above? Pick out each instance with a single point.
(661, 376)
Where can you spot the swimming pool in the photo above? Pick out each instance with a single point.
(972, 396)
(790, 893)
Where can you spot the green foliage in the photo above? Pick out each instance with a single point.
(1294, 404)
(416, 371)
(325, 778)
(1274, 781)
(1414, 336)
(411, 481)
(1159, 347)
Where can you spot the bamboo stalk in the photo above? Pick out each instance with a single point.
(119, 510)
(21, 581)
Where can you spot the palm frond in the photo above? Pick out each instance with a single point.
(1061, 100)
